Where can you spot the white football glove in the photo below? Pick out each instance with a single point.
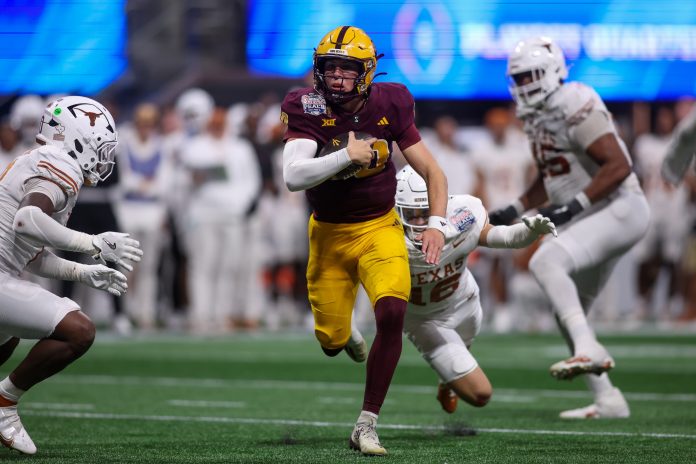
(103, 278)
(540, 225)
(116, 247)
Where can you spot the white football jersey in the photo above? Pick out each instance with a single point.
(47, 162)
(435, 287)
(573, 117)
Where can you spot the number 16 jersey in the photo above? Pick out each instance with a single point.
(435, 288)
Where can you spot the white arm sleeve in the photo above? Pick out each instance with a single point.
(40, 228)
(49, 265)
(301, 170)
(595, 125)
(681, 150)
(514, 236)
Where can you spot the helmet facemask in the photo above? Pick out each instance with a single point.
(412, 203)
(360, 86)
(415, 221)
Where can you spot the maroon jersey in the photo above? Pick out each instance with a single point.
(388, 114)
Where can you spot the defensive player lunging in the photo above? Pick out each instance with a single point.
(37, 193)
(596, 202)
(444, 312)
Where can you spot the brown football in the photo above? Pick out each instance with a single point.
(341, 141)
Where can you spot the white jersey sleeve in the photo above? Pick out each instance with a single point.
(682, 150)
(50, 165)
(573, 118)
(53, 164)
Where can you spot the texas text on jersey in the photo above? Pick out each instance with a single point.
(388, 114)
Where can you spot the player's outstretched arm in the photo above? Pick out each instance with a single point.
(517, 235)
(98, 276)
(681, 151)
(34, 223)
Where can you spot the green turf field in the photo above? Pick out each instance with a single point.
(278, 399)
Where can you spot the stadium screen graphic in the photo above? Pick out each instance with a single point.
(56, 46)
(453, 49)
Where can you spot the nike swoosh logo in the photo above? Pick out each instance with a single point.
(111, 245)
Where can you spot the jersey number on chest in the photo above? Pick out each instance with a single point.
(442, 290)
(549, 159)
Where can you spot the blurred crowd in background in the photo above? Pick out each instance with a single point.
(200, 186)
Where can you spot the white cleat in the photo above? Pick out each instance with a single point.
(356, 348)
(570, 368)
(609, 406)
(364, 439)
(12, 432)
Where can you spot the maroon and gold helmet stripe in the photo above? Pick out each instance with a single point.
(341, 36)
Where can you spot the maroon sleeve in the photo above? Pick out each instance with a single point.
(294, 117)
(405, 131)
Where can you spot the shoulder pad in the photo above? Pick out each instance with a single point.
(56, 165)
(575, 101)
(465, 211)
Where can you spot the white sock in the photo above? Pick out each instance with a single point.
(579, 330)
(599, 384)
(9, 391)
(367, 417)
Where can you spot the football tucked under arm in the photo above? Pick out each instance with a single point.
(340, 142)
(301, 170)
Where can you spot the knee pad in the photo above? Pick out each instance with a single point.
(451, 361)
(550, 260)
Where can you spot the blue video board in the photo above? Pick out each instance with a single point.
(61, 46)
(626, 49)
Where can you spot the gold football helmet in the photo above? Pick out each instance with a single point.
(345, 43)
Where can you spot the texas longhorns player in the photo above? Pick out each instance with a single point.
(355, 236)
(596, 202)
(38, 190)
(444, 312)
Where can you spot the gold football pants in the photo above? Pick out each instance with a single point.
(343, 255)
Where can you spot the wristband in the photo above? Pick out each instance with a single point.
(438, 223)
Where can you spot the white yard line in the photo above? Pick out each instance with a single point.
(262, 384)
(58, 406)
(250, 421)
(207, 404)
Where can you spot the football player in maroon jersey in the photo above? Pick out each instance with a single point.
(355, 235)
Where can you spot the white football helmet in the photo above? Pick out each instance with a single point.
(412, 202)
(86, 130)
(535, 69)
(195, 107)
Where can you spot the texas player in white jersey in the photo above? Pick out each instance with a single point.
(585, 174)
(38, 190)
(444, 311)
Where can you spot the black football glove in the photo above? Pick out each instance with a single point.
(503, 216)
(560, 214)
